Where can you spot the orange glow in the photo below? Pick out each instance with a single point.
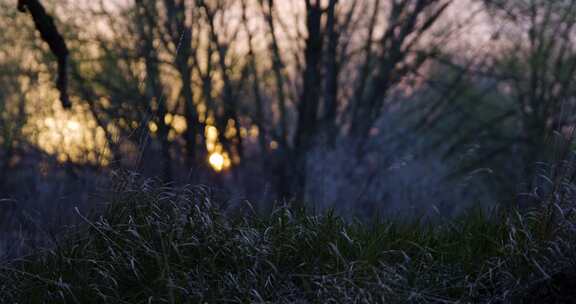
(67, 135)
(273, 145)
(152, 126)
(219, 161)
(216, 161)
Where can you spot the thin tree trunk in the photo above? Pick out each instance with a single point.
(260, 121)
(278, 70)
(332, 69)
(309, 102)
(228, 98)
(146, 22)
(180, 35)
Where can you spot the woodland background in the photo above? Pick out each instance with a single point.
(366, 106)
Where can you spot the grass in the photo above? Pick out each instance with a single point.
(156, 244)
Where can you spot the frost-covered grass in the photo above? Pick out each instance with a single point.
(156, 244)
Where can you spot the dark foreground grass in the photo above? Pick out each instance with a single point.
(164, 245)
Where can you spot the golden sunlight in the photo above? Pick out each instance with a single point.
(152, 126)
(69, 136)
(216, 160)
(176, 122)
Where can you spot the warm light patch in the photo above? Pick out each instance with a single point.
(273, 145)
(216, 161)
(168, 118)
(218, 158)
(201, 108)
(179, 124)
(152, 126)
(67, 135)
(73, 126)
(211, 134)
(254, 131)
(230, 129)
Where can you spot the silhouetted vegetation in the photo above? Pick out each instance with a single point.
(180, 245)
(355, 151)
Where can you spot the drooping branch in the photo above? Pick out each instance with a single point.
(44, 24)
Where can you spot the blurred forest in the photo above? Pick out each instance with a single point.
(366, 106)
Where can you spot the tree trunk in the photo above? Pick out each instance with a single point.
(312, 81)
(332, 69)
(146, 22)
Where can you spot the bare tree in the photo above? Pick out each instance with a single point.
(260, 120)
(145, 18)
(179, 32)
(395, 58)
(542, 89)
(278, 67)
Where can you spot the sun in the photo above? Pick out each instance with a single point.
(216, 160)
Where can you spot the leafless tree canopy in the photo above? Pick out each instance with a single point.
(293, 99)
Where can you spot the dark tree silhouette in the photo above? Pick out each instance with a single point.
(44, 23)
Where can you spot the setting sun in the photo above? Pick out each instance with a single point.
(216, 160)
